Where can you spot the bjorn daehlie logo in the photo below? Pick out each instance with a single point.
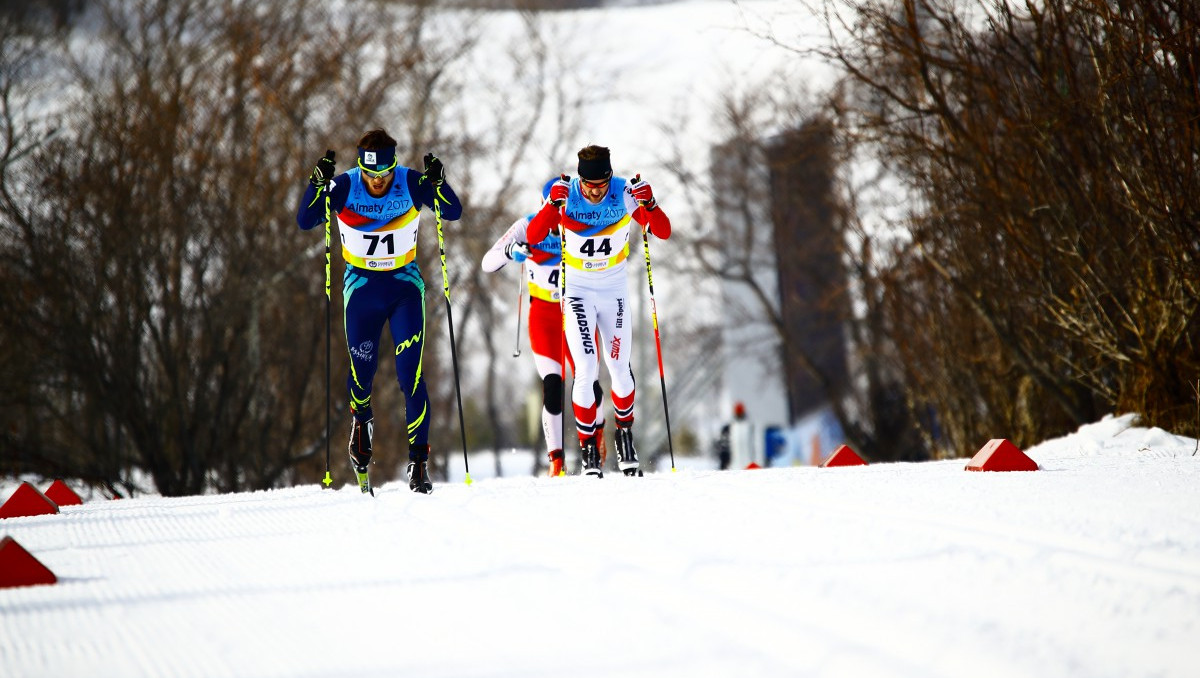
(369, 157)
(364, 351)
(585, 332)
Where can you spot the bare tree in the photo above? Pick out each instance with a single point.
(1049, 155)
(174, 302)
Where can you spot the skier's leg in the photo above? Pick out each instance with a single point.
(545, 341)
(365, 312)
(581, 321)
(408, 331)
(580, 335)
(616, 328)
(616, 346)
(598, 393)
(364, 315)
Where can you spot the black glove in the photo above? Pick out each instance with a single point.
(323, 172)
(433, 169)
(517, 251)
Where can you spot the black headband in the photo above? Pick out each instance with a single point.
(598, 169)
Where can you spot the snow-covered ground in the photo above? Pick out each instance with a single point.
(1088, 567)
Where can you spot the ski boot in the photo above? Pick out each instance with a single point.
(557, 463)
(360, 452)
(591, 458)
(418, 469)
(601, 445)
(627, 459)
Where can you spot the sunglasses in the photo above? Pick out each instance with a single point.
(375, 174)
(594, 184)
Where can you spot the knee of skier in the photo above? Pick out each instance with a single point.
(552, 393)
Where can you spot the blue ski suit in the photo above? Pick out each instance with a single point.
(382, 282)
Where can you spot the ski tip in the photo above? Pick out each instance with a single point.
(328, 480)
(468, 481)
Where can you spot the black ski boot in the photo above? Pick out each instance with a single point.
(418, 469)
(627, 459)
(591, 458)
(360, 452)
(601, 445)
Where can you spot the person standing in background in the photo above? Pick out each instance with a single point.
(741, 440)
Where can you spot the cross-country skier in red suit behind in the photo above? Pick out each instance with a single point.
(596, 211)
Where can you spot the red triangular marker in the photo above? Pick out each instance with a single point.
(752, 465)
(844, 456)
(61, 494)
(1001, 455)
(27, 501)
(19, 568)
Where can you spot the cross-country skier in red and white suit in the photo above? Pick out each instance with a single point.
(545, 326)
(597, 211)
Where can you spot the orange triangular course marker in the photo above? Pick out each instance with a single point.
(61, 494)
(19, 568)
(1001, 455)
(27, 501)
(844, 456)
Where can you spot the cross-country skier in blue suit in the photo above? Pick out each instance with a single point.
(377, 207)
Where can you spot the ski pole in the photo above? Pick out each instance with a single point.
(328, 330)
(662, 378)
(565, 399)
(520, 295)
(437, 215)
(568, 400)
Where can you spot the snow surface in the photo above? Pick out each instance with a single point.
(1089, 567)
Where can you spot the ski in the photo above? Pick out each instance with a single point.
(364, 481)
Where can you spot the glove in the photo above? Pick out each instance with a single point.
(560, 190)
(323, 172)
(517, 251)
(643, 194)
(433, 169)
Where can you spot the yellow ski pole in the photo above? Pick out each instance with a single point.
(328, 329)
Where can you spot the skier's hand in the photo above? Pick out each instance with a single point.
(434, 171)
(323, 172)
(560, 190)
(517, 251)
(642, 193)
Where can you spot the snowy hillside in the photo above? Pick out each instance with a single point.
(1087, 567)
